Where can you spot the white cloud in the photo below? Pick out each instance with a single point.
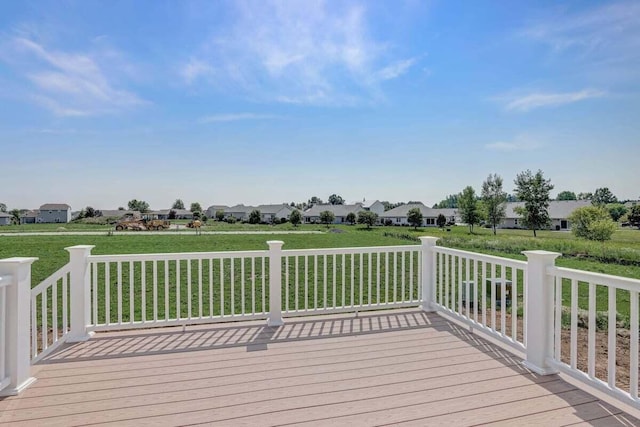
(520, 143)
(296, 52)
(540, 99)
(69, 84)
(236, 117)
(608, 31)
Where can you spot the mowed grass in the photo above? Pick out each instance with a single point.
(621, 256)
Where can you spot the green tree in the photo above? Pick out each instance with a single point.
(3, 207)
(172, 214)
(138, 205)
(89, 212)
(15, 216)
(415, 217)
(633, 216)
(195, 207)
(535, 192)
(567, 195)
(351, 218)
(616, 210)
(603, 196)
(295, 217)
(315, 200)
(255, 217)
(334, 199)
(220, 214)
(585, 196)
(451, 202)
(327, 217)
(368, 218)
(441, 221)
(468, 208)
(493, 200)
(588, 222)
(178, 204)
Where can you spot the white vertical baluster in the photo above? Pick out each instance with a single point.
(476, 293)
(386, 279)
(591, 342)
(403, 277)
(467, 288)
(440, 263)
(3, 336)
(189, 290)
(155, 290)
(494, 299)
(65, 303)
(143, 290)
(166, 288)
(395, 277)
(43, 313)
(119, 285)
(296, 259)
(131, 294)
(514, 304)
(107, 293)
(306, 283)
(243, 299)
(94, 292)
(411, 283)
(633, 339)
(54, 310)
(324, 269)
(557, 334)
(503, 302)
(200, 314)
(483, 286)
(222, 287)
(210, 287)
(264, 278)
(334, 258)
(253, 285)
(233, 286)
(612, 335)
(377, 277)
(460, 262)
(574, 324)
(446, 280)
(34, 326)
(178, 264)
(286, 284)
(361, 281)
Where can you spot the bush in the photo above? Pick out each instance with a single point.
(231, 220)
(592, 223)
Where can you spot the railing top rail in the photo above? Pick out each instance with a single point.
(352, 250)
(55, 276)
(176, 256)
(481, 257)
(596, 278)
(5, 280)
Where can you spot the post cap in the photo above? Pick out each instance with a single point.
(541, 254)
(19, 260)
(275, 243)
(429, 240)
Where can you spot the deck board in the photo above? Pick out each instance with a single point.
(396, 367)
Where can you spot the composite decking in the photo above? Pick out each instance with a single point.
(395, 367)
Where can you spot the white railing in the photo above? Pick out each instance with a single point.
(130, 291)
(350, 279)
(485, 291)
(533, 306)
(4, 378)
(50, 313)
(579, 343)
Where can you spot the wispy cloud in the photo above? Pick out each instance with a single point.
(236, 117)
(519, 143)
(67, 84)
(607, 31)
(524, 103)
(297, 52)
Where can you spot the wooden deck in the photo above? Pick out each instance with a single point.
(396, 367)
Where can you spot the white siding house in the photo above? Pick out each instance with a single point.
(559, 212)
(54, 213)
(312, 215)
(5, 218)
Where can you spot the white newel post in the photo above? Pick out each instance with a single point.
(428, 272)
(539, 311)
(275, 283)
(18, 318)
(80, 298)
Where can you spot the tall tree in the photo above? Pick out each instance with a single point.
(255, 217)
(178, 204)
(368, 218)
(351, 218)
(220, 214)
(415, 217)
(535, 192)
(633, 216)
(616, 210)
(585, 196)
(15, 216)
(567, 195)
(138, 205)
(468, 207)
(451, 202)
(603, 196)
(493, 200)
(441, 221)
(295, 217)
(315, 200)
(89, 212)
(195, 207)
(327, 217)
(3, 207)
(334, 199)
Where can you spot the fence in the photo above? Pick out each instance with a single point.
(548, 313)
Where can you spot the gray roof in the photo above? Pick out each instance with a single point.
(337, 210)
(558, 209)
(403, 211)
(239, 209)
(272, 209)
(117, 212)
(179, 212)
(448, 212)
(5, 215)
(31, 214)
(217, 207)
(54, 207)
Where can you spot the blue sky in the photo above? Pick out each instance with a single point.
(257, 101)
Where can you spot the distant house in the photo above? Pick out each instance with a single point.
(51, 213)
(559, 212)
(117, 213)
(5, 218)
(270, 212)
(29, 217)
(211, 210)
(164, 214)
(312, 215)
(451, 214)
(374, 206)
(239, 212)
(399, 215)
